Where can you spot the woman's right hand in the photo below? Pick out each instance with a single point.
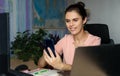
(55, 62)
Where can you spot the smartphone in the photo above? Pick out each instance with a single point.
(49, 43)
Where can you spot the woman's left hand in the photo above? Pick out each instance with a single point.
(55, 62)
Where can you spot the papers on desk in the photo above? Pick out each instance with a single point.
(44, 72)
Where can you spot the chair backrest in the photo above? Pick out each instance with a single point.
(100, 30)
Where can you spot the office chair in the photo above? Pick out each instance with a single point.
(100, 30)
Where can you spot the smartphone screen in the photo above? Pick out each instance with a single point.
(49, 43)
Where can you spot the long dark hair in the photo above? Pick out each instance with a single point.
(79, 8)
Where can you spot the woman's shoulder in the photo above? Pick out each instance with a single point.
(67, 36)
(93, 40)
(93, 37)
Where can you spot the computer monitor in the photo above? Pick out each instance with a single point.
(5, 69)
(4, 43)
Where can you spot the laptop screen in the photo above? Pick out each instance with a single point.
(92, 60)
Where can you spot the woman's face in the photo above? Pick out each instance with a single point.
(74, 22)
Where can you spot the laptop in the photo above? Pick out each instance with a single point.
(101, 60)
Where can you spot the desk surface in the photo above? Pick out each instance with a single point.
(16, 62)
(46, 72)
(64, 73)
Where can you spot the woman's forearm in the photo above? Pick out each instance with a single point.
(42, 63)
(66, 67)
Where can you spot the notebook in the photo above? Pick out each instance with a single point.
(44, 72)
(101, 60)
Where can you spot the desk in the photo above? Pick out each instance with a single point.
(48, 72)
(16, 62)
(64, 73)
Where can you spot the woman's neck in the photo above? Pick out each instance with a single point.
(80, 38)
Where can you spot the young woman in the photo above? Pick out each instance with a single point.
(75, 18)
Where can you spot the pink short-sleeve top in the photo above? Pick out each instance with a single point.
(66, 46)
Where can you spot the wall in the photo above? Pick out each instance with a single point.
(105, 11)
(20, 14)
